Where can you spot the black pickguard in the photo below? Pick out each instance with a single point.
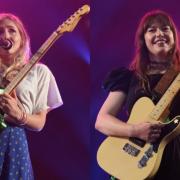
(167, 129)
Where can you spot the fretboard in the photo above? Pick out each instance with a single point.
(67, 26)
(166, 99)
(35, 58)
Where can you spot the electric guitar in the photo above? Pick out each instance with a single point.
(132, 158)
(67, 26)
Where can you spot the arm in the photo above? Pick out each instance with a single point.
(109, 124)
(9, 105)
(36, 121)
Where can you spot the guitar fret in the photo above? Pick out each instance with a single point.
(31, 63)
(166, 99)
(67, 26)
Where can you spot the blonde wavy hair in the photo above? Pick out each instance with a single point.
(24, 52)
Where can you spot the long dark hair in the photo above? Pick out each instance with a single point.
(141, 59)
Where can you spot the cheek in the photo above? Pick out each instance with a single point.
(147, 39)
(18, 40)
(171, 37)
(172, 40)
(148, 42)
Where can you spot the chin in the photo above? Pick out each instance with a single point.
(162, 54)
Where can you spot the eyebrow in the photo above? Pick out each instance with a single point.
(154, 26)
(8, 26)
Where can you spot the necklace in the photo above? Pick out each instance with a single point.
(158, 67)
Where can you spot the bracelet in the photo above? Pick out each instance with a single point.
(23, 119)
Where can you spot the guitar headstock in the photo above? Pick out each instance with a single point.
(71, 22)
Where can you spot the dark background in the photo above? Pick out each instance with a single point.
(113, 27)
(61, 150)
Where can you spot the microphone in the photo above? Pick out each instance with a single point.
(6, 44)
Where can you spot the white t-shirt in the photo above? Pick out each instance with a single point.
(38, 90)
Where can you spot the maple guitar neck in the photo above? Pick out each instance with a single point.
(166, 99)
(35, 58)
(67, 26)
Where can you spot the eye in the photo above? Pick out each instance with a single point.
(11, 30)
(151, 30)
(166, 28)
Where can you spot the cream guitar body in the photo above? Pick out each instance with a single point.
(133, 159)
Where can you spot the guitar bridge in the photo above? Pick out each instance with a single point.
(147, 155)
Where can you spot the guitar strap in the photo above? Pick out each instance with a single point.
(165, 82)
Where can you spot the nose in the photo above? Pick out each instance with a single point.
(159, 32)
(5, 34)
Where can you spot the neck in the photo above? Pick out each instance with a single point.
(158, 67)
(7, 60)
(158, 64)
(159, 59)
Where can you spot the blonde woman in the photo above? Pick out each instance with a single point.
(28, 105)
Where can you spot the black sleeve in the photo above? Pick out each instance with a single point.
(118, 80)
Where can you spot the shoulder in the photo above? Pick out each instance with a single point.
(39, 67)
(41, 73)
(118, 79)
(42, 70)
(121, 72)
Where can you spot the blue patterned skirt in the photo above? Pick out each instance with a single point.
(15, 163)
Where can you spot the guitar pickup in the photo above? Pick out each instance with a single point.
(137, 141)
(131, 149)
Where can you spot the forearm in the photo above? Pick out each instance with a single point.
(112, 126)
(30, 121)
(35, 121)
(16, 114)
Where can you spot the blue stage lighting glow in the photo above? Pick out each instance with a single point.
(80, 46)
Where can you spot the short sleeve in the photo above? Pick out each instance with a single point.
(118, 80)
(48, 95)
(38, 90)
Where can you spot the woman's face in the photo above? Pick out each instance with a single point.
(9, 31)
(159, 40)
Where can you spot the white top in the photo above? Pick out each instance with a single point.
(38, 90)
